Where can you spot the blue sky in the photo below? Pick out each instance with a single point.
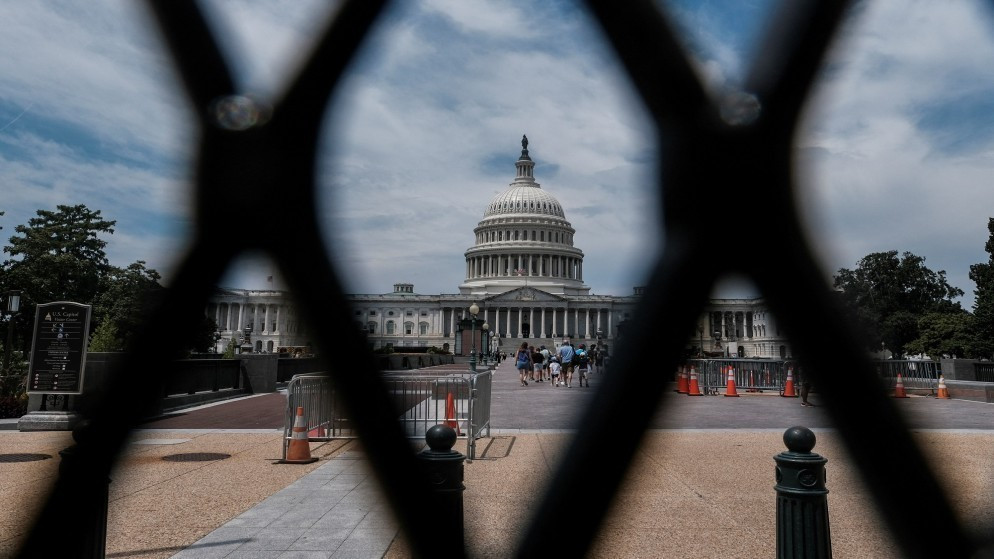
(897, 148)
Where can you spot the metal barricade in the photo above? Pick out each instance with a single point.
(751, 375)
(983, 371)
(424, 400)
(915, 374)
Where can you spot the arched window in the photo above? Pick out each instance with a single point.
(391, 327)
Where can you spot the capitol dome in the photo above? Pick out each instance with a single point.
(524, 239)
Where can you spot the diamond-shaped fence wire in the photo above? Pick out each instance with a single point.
(737, 148)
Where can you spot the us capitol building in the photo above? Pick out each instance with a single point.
(525, 278)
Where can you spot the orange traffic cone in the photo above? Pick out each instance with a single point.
(730, 387)
(942, 394)
(681, 380)
(450, 413)
(899, 388)
(299, 451)
(693, 389)
(788, 389)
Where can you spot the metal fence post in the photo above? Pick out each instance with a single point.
(443, 467)
(802, 503)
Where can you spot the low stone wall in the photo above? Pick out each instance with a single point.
(958, 369)
(970, 390)
(406, 361)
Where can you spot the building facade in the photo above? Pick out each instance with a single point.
(524, 275)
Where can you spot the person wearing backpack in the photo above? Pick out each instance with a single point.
(546, 354)
(582, 359)
(536, 364)
(523, 362)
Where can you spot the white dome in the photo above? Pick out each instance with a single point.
(524, 199)
(524, 240)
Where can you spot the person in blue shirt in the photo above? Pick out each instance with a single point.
(566, 355)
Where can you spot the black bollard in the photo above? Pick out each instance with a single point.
(444, 469)
(92, 505)
(802, 499)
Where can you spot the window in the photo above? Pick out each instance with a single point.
(372, 313)
(391, 327)
(408, 328)
(423, 328)
(371, 327)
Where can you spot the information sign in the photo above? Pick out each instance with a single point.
(58, 348)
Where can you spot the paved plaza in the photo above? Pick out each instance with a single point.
(701, 485)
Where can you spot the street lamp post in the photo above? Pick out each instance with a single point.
(484, 347)
(13, 305)
(473, 310)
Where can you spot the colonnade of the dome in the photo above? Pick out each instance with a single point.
(524, 265)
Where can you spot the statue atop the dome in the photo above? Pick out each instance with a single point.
(524, 142)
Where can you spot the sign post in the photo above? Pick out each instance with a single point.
(58, 360)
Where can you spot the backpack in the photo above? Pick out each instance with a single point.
(582, 357)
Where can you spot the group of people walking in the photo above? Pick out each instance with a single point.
(557, 367)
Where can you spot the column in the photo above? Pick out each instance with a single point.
(241, 315)
(554, 329)
(587, 325)
(543, 322)
(609, 330)
(519, 323)
(531, 321)
(598, 319)
(576, 321)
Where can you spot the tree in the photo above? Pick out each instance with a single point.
(203, 335)
(229, 350)
(887, 296)
(983, 306)
(126, 298)
(57, 256)
(104, 338)
(941, 333)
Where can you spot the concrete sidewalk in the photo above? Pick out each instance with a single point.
(691, 493)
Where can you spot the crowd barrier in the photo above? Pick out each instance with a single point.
(460, 399)
(751, 375)
(767, 375)
(915, 374)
